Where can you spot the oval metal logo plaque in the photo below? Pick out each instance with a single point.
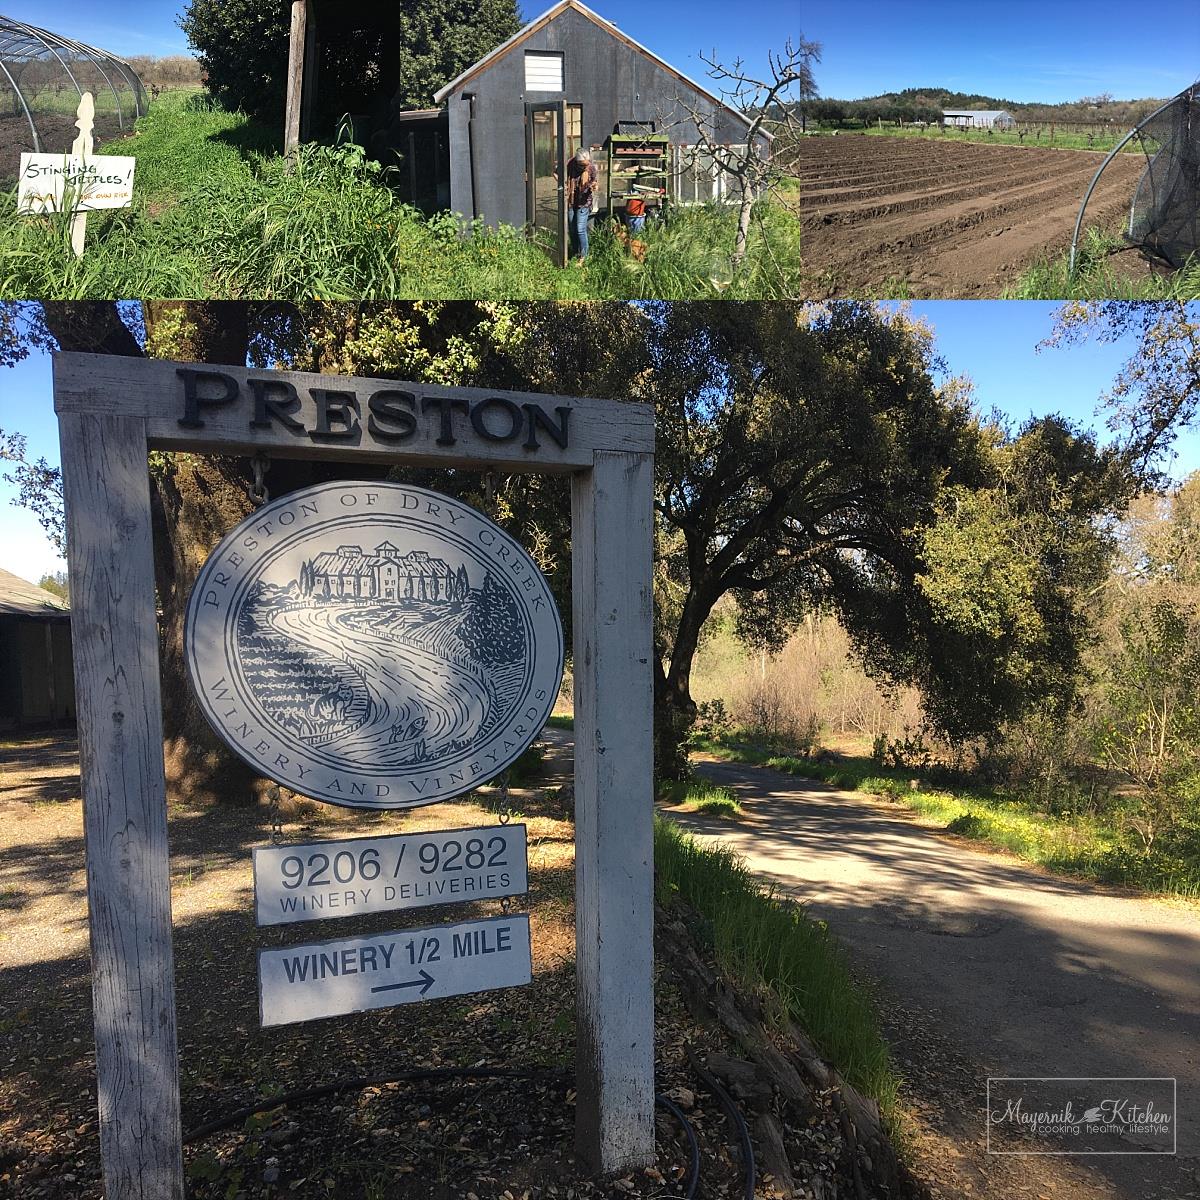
(374, 645)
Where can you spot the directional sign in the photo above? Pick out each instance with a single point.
(373, 645)
(347, 878)
(330, 979)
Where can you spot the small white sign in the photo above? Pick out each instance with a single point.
(330, 979)
(321, 880)
(84, 184)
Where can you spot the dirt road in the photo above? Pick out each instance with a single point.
(942, 218)
(987, 966)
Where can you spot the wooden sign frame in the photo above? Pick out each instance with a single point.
(112, 412)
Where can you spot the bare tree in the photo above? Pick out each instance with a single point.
(771, 105)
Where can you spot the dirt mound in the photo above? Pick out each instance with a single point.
(944, 219)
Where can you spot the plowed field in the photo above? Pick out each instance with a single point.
(944, 218)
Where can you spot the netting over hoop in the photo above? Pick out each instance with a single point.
(42, 76)
(1165, 216)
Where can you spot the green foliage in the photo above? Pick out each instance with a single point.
(55, 584)
(1006, 572)
(764, 941)
(217, 213)
(1096, 844)
(561, 722)
(242, 46)
(400, 53)
(439, 39)
(700, 796)
(712, 720)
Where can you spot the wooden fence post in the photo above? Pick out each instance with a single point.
(614, 807)
(114, 634)
(297, 61)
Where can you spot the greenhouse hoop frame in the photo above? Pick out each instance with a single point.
(23, 45)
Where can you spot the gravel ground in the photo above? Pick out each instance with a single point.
(488, 1140)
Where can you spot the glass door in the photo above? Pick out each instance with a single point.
(546, 173)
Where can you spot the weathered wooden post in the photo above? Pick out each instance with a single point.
(106, 488)
(614, 810)
(112, 411)
(298, 62)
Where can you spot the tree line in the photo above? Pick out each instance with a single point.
(812, 460)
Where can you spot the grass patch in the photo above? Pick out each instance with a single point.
(1096, 279)
(219, 213)
(763, 941)
(700, 796)
(561, 722)
(1089, 847)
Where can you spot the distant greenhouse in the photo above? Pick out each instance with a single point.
(42, 76)
(970, 118)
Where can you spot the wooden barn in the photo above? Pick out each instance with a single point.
(567, 79)
(37, 685)
(496, 147)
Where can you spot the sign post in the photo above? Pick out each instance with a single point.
(112, 411)
(78, 182)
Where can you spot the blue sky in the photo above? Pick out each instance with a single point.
(1022, 50)
(677, 30)
(994, 342)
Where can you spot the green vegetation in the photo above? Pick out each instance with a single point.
(1090, 845)
(767, 943)
(219, 214)
(561, 722)
(1061, 139)
(1096, 279)
(698, 795)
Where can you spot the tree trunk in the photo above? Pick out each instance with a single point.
(674, 708)
(745, 208)
(196, 499)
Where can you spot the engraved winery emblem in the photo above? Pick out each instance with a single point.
(374, 645)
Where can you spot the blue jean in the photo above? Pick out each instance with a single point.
(577, 225)
(636, 224)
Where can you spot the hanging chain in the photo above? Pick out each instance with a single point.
(277, 835)
(258, 491)
(506, 902)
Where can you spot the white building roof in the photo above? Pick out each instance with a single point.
(975, 112)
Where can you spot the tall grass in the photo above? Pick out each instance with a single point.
(1096, 279)
(219, 214)
(698, 795)
(764, 941)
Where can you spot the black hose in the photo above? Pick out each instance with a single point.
(731, 1110)
(364, 1081)
(693, 1145)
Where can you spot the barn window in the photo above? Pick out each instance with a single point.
(543, 72)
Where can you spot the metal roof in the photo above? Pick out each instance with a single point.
(20, 598)
(975, 112)
(561, 7)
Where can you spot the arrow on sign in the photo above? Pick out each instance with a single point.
(424, 983)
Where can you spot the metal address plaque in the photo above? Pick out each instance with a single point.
(374, 645)
(353, 876)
